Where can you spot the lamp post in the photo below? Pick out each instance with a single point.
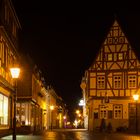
(15, 74)
(51, 108)
(136, 97)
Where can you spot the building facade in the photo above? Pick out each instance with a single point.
(34, 99)
(9, 30)
(31, 97)
(110, 83)
(56, 115)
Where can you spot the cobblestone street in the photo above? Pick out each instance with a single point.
(75, 134)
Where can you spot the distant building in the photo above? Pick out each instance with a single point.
(37, 103)
(9, 31)
(31, 97)
(55, 117)
(110, 83)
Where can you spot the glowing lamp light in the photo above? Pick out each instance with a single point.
(81, 103)
(15, 72)
(77, 111)
(79, 115)
(52, 107)
(136, 97)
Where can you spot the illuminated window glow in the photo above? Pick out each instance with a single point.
(100, 82)
(3, 110)
(117, 111)
(117, 82)
(103, 112)
(132, 81)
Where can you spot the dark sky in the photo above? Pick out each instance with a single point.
(64, 38)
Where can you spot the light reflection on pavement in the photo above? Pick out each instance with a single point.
(75, 134)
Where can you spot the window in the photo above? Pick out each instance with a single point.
(3, 110)
(120, 56)
(132, 81)
(117, 82)
(103, 112)
(23, 113)
(100, 82)
(117, 111)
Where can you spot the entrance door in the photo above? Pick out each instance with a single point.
(133, 115)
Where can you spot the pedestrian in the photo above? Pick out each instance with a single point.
(103, 126)
(109, 127)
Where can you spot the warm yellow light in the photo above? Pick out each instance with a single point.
(136, 97)
(79, 115)
(64, 117)
(77, 111)
(76, 122)
(15, 72)
(51, 107)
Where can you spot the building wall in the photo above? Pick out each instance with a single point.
(9, 27)
(31, 101)
(111, 81)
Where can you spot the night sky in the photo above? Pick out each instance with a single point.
(64, 38)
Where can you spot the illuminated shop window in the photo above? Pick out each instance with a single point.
(3, 110)
(23, 113)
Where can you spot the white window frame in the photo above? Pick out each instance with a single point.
(117, 81)
(103, 112)
(132, 81)
(118, 113)
(101, 82)
(3, 110)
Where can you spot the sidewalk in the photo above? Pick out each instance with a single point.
(5, 132)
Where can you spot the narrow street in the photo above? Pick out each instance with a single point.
(75, 134)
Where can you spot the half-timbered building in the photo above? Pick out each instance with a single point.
(110, 83)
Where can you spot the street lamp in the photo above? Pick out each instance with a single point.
(136, 97)
(51, 108)
(15, 74)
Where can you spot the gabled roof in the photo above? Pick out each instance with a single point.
(110, 35)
